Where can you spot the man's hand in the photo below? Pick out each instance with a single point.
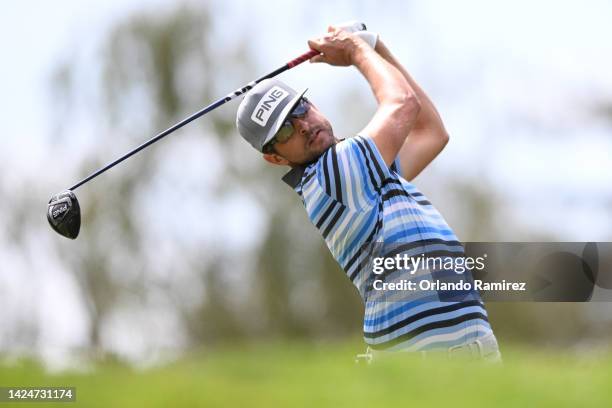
(359, 29)
(337, 47)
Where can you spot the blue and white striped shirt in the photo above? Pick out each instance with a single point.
(357, 203)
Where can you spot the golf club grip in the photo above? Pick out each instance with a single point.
(304, 57)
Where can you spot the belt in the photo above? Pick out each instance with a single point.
(484, 348)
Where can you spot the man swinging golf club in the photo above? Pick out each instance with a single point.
(357, 194)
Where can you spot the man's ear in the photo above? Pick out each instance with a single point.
(275, 159)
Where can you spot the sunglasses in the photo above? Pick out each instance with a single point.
(287, 129)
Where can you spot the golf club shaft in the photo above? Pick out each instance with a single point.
(304, 57)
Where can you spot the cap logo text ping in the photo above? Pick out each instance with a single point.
(267, 104)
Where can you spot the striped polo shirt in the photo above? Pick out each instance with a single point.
(364, 208)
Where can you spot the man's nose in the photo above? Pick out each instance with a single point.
(302, 126)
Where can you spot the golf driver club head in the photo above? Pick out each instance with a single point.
(64, 214)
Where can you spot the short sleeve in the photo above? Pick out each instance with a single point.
(395, 166)
(353, 172)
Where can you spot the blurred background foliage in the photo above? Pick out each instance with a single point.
(195, 241)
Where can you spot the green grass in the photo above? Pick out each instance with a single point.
(300, 375)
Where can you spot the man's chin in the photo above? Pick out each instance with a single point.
(322, 141)
(318, 148)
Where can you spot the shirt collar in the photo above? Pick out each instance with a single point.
(294, 176)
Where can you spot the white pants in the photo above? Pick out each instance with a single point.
(484, 348)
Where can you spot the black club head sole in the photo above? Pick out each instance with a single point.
(64, 214)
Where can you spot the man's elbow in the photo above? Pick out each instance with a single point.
(443, 137)
(410, 107)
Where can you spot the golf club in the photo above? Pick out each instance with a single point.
(63, 211)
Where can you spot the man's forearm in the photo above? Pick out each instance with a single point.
(428, 118)
(388, 83)
(427, 137)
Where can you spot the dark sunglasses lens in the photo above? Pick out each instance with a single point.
(300, 109)
(284, 133)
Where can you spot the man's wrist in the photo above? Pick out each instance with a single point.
(380, 46)
(360, 52)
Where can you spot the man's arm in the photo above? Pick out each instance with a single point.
(398, 104)
(427, 137)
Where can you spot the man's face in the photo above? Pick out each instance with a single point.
(312, 135)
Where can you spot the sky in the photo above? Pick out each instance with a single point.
(516, 83)
(539, 65)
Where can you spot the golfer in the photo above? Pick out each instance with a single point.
(357, 193)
